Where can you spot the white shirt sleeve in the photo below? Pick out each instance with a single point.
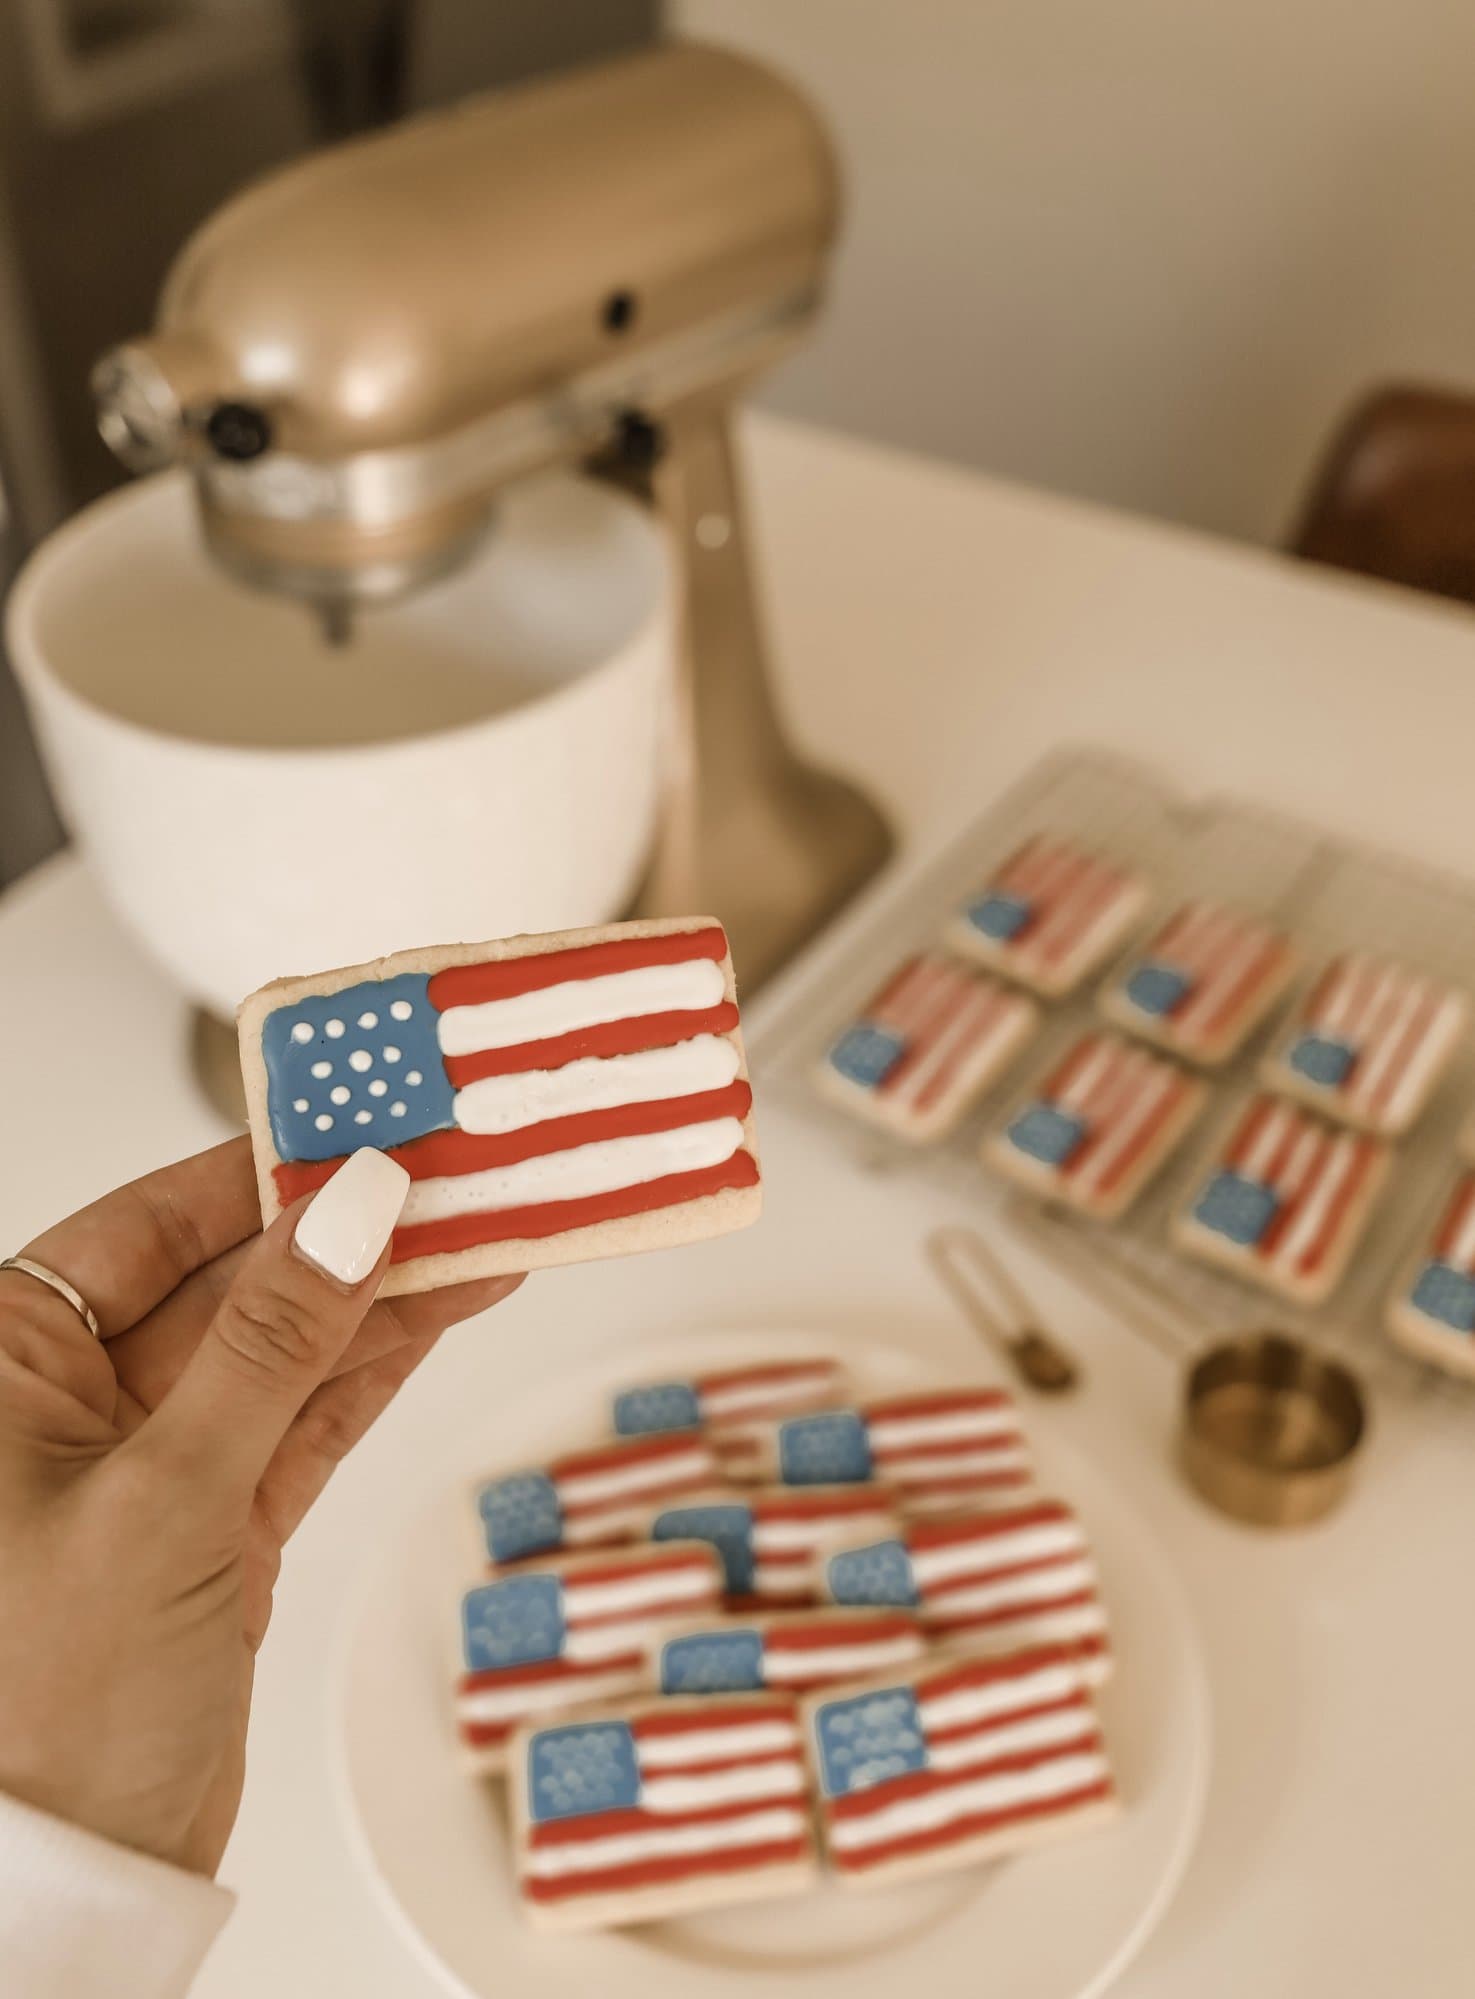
(80, 1917)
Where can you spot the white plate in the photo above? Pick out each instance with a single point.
(1057, 1924)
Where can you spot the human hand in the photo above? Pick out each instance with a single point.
(149, 1479)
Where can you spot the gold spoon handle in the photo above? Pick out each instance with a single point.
(978, 1280)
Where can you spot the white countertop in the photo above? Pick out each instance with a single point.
(938, 633)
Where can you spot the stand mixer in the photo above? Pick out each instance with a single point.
(355, 356)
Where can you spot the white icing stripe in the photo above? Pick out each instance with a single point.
(1430, 1053)
(590, 1529)
(1041, 1626)
(1306, 1228)
(612, 1641)
(757, 1783)
(597, 1856)
(485, 1704)
(634, 1593)
(996, 1551)
(1042, 1731)
(1032, 1586)
(893, 1433)
(588, 1488)
(938, 1809)
(713, 1745)
(1461, 1254)
(782, 1582)
(725, 1402)
(782, 1536)
(508, 1103)
(583, 1170)
(685, 988)
(782, 1667)
(956, 1464)
(1002, 1696)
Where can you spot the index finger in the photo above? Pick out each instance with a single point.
(130, 1249)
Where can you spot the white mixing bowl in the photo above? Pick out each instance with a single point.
(481, 759)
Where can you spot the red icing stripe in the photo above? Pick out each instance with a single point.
(613, 1037)
(986, 1672)
(964, 1482)
(652, 1451)
(949, 1533)
(615, 1824)
(959, 1401)
(743, 1714)
(948, 1447)
(448, 1154)
(776, 1375)
(652, 1563)
(649, 1873)
(1072, 1704)
(543, 1670)
(1014, 1613)
(799, 1509)
(507, 978)
(824, 1632)
(975, 1825)
(939, 1593)
(558, 1217)
(1316, 1252)
(1452, 1220)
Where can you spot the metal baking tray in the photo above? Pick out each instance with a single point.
(1330, 893)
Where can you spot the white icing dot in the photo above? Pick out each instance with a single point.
(361, 1059)
(302, 1031)
(391, 1053)
(323, 1121)
(396, 1110)
(333, 1029)
(299, 1103)
(400, 1010)
(321, 1069)
(339, 1096)
(413, 1078)
(368, 1020)
(362, 1117)
(378, 1088)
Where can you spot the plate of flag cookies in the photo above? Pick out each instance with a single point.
(755, 1658)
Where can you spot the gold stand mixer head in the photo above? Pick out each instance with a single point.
(356, 354)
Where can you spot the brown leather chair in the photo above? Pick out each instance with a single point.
(1395, 494)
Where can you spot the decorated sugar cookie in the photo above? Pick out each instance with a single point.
(938, 1450)
(604, 1494)
(768, 1539)
(657, 1807)
(570, 1631)
(926, 1047)
(1050, 916)
(1368, 1043)
(1098, 1127)
(1285, 1200)
(715, 1402)
(1203, 982)
(789, 1650)
(983, 1581)
(1433, 1311)
(956, 1763)
(552, 1098)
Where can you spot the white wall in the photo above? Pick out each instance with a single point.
(1144, 251)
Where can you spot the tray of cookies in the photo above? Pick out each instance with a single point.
(1229, 1054)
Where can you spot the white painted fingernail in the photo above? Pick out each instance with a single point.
(345, 1226)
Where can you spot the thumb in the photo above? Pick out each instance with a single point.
(296, 1302)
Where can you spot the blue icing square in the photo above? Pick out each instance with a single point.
(1047, 1133)
(880, 1573)
(866, 1054)
(1447, 1295)
(391, 1069)
(999, 915)
(520, 1515)
(588, 1766)
(869, 1739)
(713, 1662)
(1322, 1060)
(828, 1449)
(1235, 1207)
(516, 1622)
(665, 1405)
(729, 1528)
(1158, 989)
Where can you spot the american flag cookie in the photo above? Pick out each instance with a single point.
(571, 1631)
(715, 1402)
(1050, 916)
(1203, 983)
(926, 1047)
(1433, 1311)
(941, 1449)
(1368, 1044)
(604, 1494)
(987, 1582)
(789, 1651)
(1285, 1200)
(1098, 1126)
(963, 1761)
(656, 1807)
(552, 1098)
(769, 1538)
